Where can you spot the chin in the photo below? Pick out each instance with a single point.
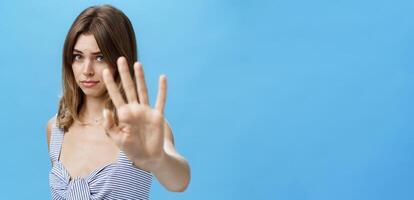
(93, 93)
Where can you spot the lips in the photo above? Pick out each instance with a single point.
(89, 83)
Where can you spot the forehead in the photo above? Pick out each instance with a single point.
(86, 43)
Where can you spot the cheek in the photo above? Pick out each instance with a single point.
(76, 70)
(99, 71)
(111, 69)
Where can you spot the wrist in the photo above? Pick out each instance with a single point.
(152, 165)
(160, 163)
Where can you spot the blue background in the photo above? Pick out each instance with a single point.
(267, 99)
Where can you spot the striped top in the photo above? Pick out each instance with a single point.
(120, 180)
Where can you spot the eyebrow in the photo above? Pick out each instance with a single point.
(93, 53)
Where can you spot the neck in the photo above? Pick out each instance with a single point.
(91, 109)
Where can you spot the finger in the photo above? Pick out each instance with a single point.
(109, 124)
(162, 94)
(127, 83)
(113, 90)
(109, 120)
(141, 85)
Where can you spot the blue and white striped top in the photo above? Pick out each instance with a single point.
(120, 180)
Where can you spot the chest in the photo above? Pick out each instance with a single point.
(85, 149)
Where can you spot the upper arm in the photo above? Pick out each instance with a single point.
(49, 126)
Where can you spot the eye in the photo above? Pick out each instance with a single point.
(100, 58)
(76, 57)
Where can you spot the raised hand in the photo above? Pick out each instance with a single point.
(139, 132)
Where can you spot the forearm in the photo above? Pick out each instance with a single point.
(173, 172)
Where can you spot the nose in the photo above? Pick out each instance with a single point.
(88, 68)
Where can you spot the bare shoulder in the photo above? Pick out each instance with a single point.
(49, 126)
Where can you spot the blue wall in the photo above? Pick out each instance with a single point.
(267, 99)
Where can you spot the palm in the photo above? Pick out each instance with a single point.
(140, 129)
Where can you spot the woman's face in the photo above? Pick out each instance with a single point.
(88, 64)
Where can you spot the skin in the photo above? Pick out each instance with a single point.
(142, 132)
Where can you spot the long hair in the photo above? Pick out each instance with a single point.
(115, 36)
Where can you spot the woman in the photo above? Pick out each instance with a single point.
(106, 141)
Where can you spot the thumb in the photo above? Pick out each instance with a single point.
(108, 122)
